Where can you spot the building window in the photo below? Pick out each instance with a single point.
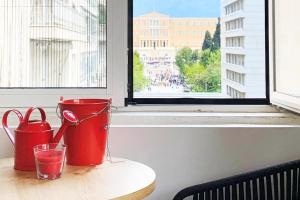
(233, 93)
(208, 56)
(236, 77)
(235, 59)
(235, 24)
(237, 41)
(234, 7)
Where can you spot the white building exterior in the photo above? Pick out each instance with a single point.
(243, 48)
(52, 43)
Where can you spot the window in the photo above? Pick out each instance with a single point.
(53, 48)
(53, 43)
(235, 59)
(237, 41)
(235, 24)
(235, 76)
(286, 70)
(234, 7)
(214, 54)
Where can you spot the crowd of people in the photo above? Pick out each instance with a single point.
(165, 79)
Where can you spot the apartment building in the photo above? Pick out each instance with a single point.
(243, 48)
(56, 43)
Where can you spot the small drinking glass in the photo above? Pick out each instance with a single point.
(49, 160)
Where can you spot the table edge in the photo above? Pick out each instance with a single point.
(140, 194)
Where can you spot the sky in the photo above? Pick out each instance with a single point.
(178, 8)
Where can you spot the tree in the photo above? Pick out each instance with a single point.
(139, 80)
(195, 77)
(216, 41)
(200, 71)
(207, 43)
(213, 72)
(205, 57)
(184, 57)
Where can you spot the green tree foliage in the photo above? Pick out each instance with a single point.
(139, 80)
(208, 42)
(213, 70)
(201, 71)
(195, 77)
(216, 41)
(185, 56)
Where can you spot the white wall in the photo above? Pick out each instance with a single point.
(185, 156)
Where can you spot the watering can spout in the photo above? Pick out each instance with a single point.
(69, 119)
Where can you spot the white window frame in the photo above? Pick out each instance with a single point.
(116, 70)
(278, 98)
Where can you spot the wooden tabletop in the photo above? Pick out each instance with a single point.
(120, 180)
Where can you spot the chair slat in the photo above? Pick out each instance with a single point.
(275, 186)
(227, 192)
(196, 197)
(241, 191)
(208, 196)
(248, 190)
(281, 183)
(298, 184)
(214, 194)
(288, 184)
(254, 188)
(234, 192)
(201, 196)
(262, 188)
(269, 188)
(221, 194)
(294, 193)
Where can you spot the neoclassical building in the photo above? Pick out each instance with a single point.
(156, 30)
(157, 37)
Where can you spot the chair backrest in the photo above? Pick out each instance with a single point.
(281, 182)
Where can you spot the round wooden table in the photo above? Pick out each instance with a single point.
(121, 179)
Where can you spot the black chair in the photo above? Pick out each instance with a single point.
(280, 182)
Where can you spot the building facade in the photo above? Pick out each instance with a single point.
(156, 30)
(53, 43)
(243, 48)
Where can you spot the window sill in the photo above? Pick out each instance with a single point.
(204, 117)
(191, 116)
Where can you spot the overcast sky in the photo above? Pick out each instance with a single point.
(178, 8)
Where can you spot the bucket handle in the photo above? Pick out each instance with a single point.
(106, 108)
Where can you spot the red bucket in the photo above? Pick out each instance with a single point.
(86, 141)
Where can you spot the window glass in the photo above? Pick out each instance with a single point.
(52, 43)
(287, 62)
(208, 49)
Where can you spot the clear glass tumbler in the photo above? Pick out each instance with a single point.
(49, 160)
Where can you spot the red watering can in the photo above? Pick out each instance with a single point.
(30, 133)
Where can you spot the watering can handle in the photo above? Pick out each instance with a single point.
(30, 110)
(4, 123)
